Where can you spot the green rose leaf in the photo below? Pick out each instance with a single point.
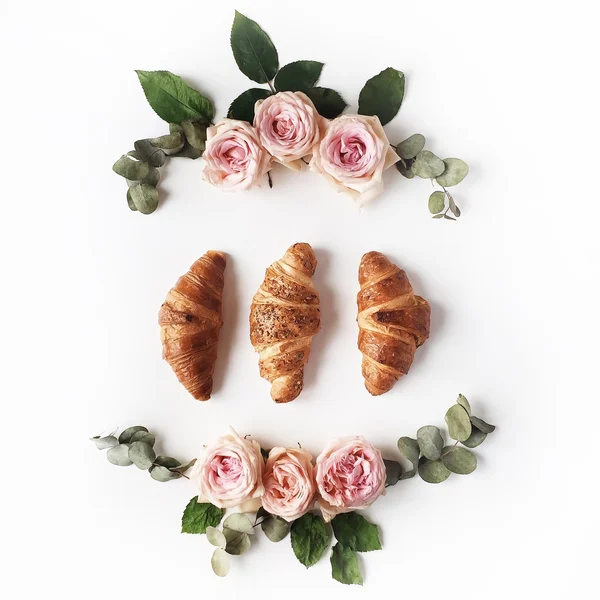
(476, 438)
(167, 461)
(405, 168)
(149, 153)
(127, 434)
(195, 134)
(216, 537)
(275, 528)
(427, 165)
(355, 532)
(174, 100)
(239, 522)
(310, 538)
(102, 443)
(411, 146)
(328, 102)
(409, 449)
(119, 455)
(482, 425)
(298, 76)
(144, 197)
(464, 403)
(197, 516)
(220, 562)
(454, 172)
(163, 474)
(437, 200)
(253, 50)
(130, 168)
(344, 565)
(459, 460)
(432, 471)
(459, 424)
(238, 542)
(382, 95)
(143, 436)
(141, 455)
(430, 442)
(242, 108)
(393, 471)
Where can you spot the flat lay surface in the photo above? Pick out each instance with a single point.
(511, 286)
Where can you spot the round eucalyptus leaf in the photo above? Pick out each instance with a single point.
(459, 460)
(145, 197)
(152, 178)
(160, 473)
(169, 143)
(464, 403)
(459, 424)
(150, 153)
(432, 471)
(393, 471)
(215, 537)
(237, 541)
(430, 442)
(195, 134)
(125, 436)
(482, 425)
(409, 449)
(405, 170)
(455, 170)
(130, 168)
(143, 436)
(476, 438)
(437, 201)
(184, 468)
(455, 210)
(427, 165)
(275, 528)
(130, 202)
(239, 522)
(119, 455)
(167, 461)
(411, 146)
(188, 151)
(141, 455)
(220, 562)
(102, 443)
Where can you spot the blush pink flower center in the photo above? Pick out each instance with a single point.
(226, 471)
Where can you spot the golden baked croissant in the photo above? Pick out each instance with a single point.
(284, 316)
(392, 322)
(190, 320)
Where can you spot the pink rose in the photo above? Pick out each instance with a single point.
(353, 155)
(289, 483)
(229, 472)
(234, 158)
(289, 126)
(350, 476)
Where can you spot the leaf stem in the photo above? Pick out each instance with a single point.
(270, 180)
(272, 88)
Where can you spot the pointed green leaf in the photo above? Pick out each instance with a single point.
(454, 209)
(459, 424)
(459, 460)
(382, 95)
(162, 474)
(427, 165)
(197, 516)
(482, 425)
(437, 200)
(328, 102)
(355, 532)
(167, 461)
(310, 538)
(185, 467)
(220, 562)
(430, 442)
(127, 434)
(411, 146)
(119, 455)
(432, 471)
(253, 50)
(298, 76)
(455, 170)
(344, 565)
(464, 403)
(144, 197)
(238, 542)
(242, 108)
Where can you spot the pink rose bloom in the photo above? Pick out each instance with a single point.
(289, 483)
(353, 155)
(289, 126)
(350, 476)
(235, 159)
(229, 472)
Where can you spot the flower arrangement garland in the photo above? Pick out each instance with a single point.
(285, 123)
(278, 489)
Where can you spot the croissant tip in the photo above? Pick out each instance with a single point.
(218, 257)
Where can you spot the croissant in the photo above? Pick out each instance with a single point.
(392, 322)
(284, 316)
(190, 320)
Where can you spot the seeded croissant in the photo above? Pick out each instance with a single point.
(284, 316)
(190, 320)
(392, 322)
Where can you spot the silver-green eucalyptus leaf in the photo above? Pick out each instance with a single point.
(455, 170)
(482, 425)
(119, 455)
(436, 203)
(476, 438)
(149, 153)
(427, 165)
(160, 473)
(411, 146)
(152, 178)
(195, 134)
(171, 143)
(239, 522)
(409, 449)
(130, 202)
(186, 466)
(459, 460)
(102, 443)
(432, 471)
(216, 537)
(430, 442)
(144, 197)
(275, 528)
(464, 403)
(141, 455)
(220, 562)
(130, 168)
(167, 461)
(404, 167)
(126, 435)
(143, 436)
(393, 471)
(459, 424)
(237, 541)
(455, 210)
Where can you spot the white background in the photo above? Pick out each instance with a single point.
(507, 86)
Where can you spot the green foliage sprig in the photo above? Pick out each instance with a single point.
(135, 446)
